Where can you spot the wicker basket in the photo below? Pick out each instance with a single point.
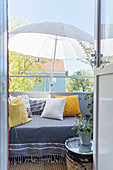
(41, 166)
(74, 165)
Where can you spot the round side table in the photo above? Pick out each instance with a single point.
(78, 156)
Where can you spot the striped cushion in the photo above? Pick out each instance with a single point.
(37, 106)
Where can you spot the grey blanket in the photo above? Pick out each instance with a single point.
(40, 137)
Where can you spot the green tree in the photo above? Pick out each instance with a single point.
(16, 22)
(22, 65)
(80, 84)
(88, 49)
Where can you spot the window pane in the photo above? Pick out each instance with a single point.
(107, 32)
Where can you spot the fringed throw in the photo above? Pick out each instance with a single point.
(26, 159)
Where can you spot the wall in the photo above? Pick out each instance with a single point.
(58, 83)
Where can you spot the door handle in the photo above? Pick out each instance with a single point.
(93, 60)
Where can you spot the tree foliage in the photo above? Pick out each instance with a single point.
(80, 84)
(88, 49)
(16, 22)
(22, 65)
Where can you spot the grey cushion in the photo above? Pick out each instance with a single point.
(37, 106)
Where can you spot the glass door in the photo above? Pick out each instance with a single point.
(106, 32)
(103, 97)
(3, 86)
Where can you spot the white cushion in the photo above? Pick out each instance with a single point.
(54, 108)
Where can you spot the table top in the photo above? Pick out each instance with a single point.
(73, 144)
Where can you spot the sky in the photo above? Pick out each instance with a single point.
(79, 13)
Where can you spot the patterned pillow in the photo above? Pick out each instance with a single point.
(25, 98)
(37, 106)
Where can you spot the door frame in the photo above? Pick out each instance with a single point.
(3, 85)
(96, 81)
(99, 71)
(105, 70)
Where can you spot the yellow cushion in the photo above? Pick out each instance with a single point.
(17, 113)
(72, 106)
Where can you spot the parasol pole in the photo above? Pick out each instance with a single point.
(51, 78)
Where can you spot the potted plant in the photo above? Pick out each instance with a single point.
(84, 129)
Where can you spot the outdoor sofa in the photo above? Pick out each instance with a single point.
(43, 139)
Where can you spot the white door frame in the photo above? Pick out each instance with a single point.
(3, 86)
(105, 70)
(96, 85)
(99, 71)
